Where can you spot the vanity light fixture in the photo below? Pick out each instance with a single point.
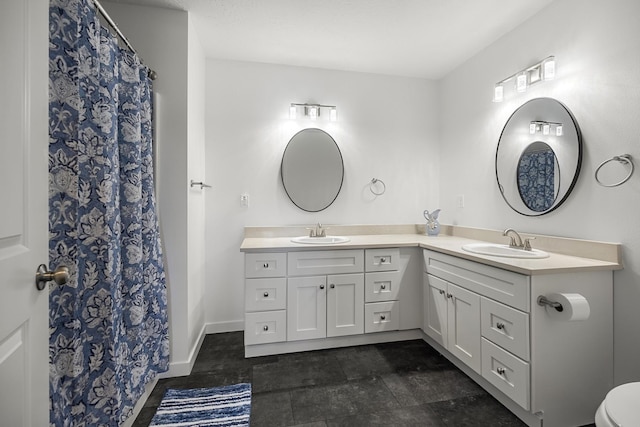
(521, 82)
(541, 71)
(546, 128)
(313, 111)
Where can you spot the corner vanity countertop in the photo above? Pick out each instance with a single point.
(565, 255)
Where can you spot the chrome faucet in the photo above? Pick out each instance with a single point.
(516, 240)
(318, 231)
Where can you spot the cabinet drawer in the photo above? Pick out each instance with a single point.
(382, 286)
(265, 265)
(501, 285)
(310, 263)
(265, 294)
(381, 316)
(505, 326)
(265, 327)
(382, 259)
(505, 371)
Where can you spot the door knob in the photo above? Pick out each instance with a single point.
(60, 275)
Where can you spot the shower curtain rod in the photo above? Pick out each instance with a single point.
(152, 74)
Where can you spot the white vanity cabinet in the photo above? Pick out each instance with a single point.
(486, 320)
(311, 299)
(480, 312)
(452, 318)
(325, 304)
(382, 288)
(265, 298)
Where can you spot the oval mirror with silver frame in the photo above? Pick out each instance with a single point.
(312, 170)
(538, 157)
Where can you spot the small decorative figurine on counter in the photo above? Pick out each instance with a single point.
(433, 226)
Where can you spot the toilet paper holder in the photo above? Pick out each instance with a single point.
(542, 301)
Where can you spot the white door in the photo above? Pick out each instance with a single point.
(306, 308)
(464, 326)
(24, 332)
(345, 305)
(435, 315)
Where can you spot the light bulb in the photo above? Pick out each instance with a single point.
(292, 112)
(521, 82)
(535, 74)
(559, 130)
(549, 68)
(333, 115)
(498, 93)
(532, 128)
(545, 129)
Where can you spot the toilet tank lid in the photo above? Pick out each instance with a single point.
(623, 404)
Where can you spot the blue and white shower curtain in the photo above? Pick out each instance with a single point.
(108, 325)
(536, 179)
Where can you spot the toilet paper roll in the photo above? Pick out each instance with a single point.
(574, 307)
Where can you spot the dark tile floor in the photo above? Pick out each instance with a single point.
(396, 384)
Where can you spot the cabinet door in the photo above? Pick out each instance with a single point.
(435, 309)
(345, 305)
(306, 308)
(464, 326)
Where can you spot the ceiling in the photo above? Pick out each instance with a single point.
(414, 38)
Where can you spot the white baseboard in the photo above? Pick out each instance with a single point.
(333, 342)
(183, 368)
(228, 326)
(140, 404)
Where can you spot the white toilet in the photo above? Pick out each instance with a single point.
(621, 407)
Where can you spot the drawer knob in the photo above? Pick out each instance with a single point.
(266, 294)
(321, 286)
(383, 286)
(383, 260)
(500, 325)
(441, 291)
(382, 317)
(500, 371)
(332, 286)
(449, 295)
(265, 265)
(265, 328)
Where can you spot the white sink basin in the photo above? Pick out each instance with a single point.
(328, 240)
(494, 249)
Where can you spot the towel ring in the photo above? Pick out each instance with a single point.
(623, 158)
(373, 182)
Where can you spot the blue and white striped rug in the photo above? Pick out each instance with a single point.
(203, 407)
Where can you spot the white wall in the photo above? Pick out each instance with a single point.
(164, 41)
(597, 48)
(196, 196)
(386, 128)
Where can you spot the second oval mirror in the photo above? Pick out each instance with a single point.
(538, 157)
(312, 170)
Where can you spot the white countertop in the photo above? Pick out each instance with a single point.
(607, 259)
